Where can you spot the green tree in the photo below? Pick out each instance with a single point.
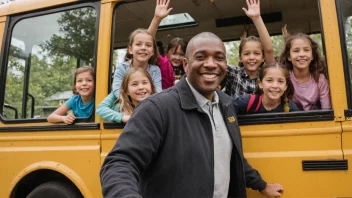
(232, 50)
(53, 63)
(77, 35)
(14, 84)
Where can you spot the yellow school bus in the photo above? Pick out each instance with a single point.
(43, 42)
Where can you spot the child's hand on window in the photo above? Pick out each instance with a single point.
(125, 118)
(69, 118)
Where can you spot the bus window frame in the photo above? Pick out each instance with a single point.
(113, 28)
(11, 22)
(262, 118)
(296, 116)
(345, 59)
(110, 124)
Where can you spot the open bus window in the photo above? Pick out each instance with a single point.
(345, 8)
(43, 55)
(227, 20)
(118, 56)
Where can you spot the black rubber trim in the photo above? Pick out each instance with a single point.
(274, 118)
(32, 120)
(344, 53)
(61, 127)
(113, 125)
(313, 165)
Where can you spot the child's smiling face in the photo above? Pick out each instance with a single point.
(84, 84)
(301, 53)
(273, 84)
(142, 48)
(252, 56)
(176, 56)
(139, 87)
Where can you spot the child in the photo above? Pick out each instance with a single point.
(275, 90)
(136, 86)
(141, 52)
(301, 56)
(175, 54)
(82, 102)
(175, 49)
(252, 53)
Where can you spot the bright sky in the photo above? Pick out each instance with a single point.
(3, 1)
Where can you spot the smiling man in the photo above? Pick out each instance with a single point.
(184, 141)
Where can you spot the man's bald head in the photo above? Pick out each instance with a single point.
(202, 35)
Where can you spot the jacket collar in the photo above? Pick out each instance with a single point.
(188, 101)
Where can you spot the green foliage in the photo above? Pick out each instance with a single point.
(278, 45)
(52, 64)
(14, 86)
(77, 38)
(232, 47)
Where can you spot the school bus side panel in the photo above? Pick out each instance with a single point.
(278, 151)
(77, 150)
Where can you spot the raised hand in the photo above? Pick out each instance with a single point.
(253, 8)
(285, 34)
(161, 9)
(244, 33)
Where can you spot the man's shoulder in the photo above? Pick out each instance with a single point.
(164, 97)
(223, 96)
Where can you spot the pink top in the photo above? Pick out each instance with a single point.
(167, 72)
(306, 95)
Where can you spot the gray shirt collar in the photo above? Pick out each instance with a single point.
(201, 100)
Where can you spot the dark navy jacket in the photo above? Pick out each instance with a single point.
(166, 150)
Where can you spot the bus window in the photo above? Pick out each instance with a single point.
(346, 42)
(229, 27)
(118, 56)
(43, 54)
(232, 47)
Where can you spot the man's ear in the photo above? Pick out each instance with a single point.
(185, 65)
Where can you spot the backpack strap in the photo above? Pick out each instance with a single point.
(254, 103)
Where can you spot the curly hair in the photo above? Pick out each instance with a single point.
(317, 65)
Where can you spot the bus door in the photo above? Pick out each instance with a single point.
(344, 8)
